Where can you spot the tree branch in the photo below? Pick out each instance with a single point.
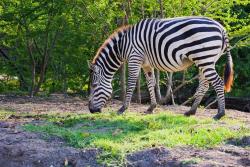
(185, 83)
(238, 41)
(37, 48)
(215, 100)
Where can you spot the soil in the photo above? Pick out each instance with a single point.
(19, 148)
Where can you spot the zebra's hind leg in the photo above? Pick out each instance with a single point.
(149, 74)
(134, 67)
(199, 94)
(212, 76)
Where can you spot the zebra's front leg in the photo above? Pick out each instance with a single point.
(150, 77)
(199, 94)
(134, 68)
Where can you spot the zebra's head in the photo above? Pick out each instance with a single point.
(100, 89)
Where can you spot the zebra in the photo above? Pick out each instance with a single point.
(167, 45)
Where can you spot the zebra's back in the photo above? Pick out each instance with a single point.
(174, 44)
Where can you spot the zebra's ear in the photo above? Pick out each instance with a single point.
(89, 64)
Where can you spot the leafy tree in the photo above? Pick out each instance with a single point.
(46, 44)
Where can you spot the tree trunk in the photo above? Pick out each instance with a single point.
(42, 73)
(33, 78)
(157, 74)
(161, 8)
(138, 85)
(23, 83)
(65, 86)
(123, 82)
(138, 89)
(169, 93)
(127, 10)
(46, 54)
(29, 44)
(157, 86)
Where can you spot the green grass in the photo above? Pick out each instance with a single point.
(119, 135)
(191, 161)
(4, 114)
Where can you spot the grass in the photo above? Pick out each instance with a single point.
(191, 161)
(4, 114)
(119, 135)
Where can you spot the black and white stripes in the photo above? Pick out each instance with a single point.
(165, 44)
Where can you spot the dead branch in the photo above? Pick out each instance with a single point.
(188, 101)
(185, 83)
(215, 100)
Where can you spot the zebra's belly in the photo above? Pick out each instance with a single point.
(182, 64)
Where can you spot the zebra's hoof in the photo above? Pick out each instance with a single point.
(189, 113)
(121, 110)
(219, 116)
(150, 110)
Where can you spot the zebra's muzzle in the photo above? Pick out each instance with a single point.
(94, 110)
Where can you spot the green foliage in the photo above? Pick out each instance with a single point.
(70, 32)
(118, 135)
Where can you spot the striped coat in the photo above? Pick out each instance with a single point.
(167, 45)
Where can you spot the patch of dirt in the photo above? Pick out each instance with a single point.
(43, 105)
(21, 149)
(227, 155)
(152, 157)
(59, 103)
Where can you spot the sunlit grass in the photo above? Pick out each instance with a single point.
(118, 135)
(4, 114)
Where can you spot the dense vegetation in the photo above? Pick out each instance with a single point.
(45, 44)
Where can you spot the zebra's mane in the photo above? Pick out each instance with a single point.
(114, 34)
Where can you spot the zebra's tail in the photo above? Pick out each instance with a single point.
(228, 69)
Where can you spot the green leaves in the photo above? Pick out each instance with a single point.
(72, 31)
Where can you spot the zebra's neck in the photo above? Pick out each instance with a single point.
(111, 54)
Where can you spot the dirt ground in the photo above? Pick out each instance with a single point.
(25, 149)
